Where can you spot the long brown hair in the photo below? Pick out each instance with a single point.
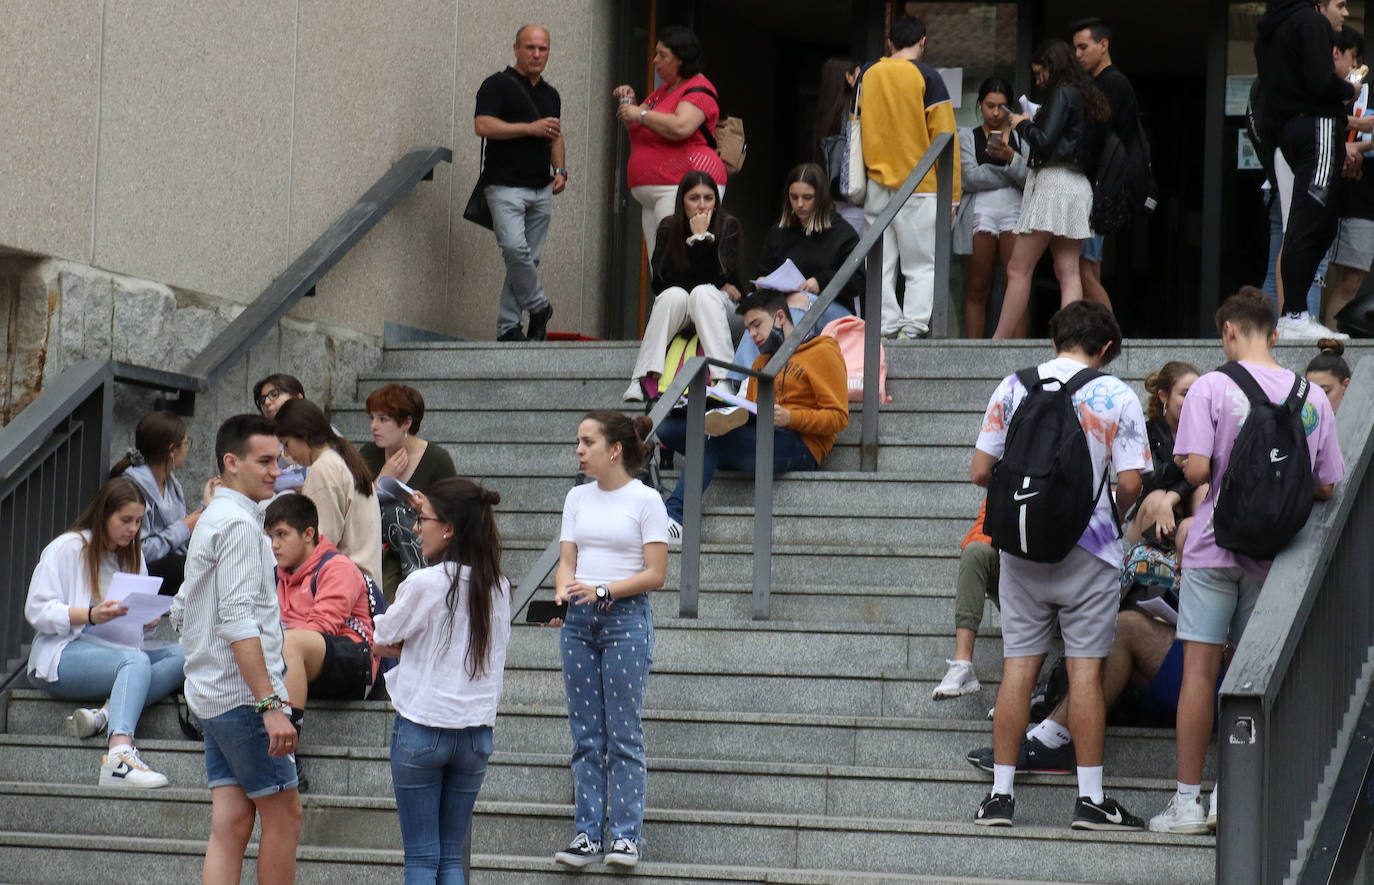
(1163, 381)
(154, 438)
(108, 500)
(675, 229)
(813, 175)
(1058, 60)
(832, 106)
(467, 507)
(304, 420)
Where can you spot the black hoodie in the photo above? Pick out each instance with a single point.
(1296, 72)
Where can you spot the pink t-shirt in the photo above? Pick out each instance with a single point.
(655, 160)
(1213, 413)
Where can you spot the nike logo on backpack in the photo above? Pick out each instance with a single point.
(1018, 496)
(1274, 456)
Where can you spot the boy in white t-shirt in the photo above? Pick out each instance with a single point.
(1080, 592)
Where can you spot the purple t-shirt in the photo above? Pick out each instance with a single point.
(1213, 413)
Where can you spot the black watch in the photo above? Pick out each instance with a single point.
(603, 592)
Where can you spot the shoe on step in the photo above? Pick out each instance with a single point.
(1106, 815)
(87, 722)
(623, 853)
(959, 680)
(123, 768)
(580, 852)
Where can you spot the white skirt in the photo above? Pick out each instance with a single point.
(1059, 200)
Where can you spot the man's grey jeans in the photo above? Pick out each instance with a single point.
(520, 218)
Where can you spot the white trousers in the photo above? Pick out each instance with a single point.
(910, 240)
(706, 306)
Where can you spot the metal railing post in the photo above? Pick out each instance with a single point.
(763, 501)
(690, 582)
(944, 199)
(873, 330)
(1243, 844)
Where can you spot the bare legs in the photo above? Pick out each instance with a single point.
(231, 825)
(1025, 255)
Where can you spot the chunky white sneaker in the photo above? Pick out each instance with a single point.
(1212, 812)
(623, 853)
(1305, 328)
(86, 722)
(1188, 817)
(959, 680)
(580, 852)
(123, 768)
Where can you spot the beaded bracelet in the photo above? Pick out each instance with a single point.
(270, 703)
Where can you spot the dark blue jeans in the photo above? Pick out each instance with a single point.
(733, 451)
(436, 773)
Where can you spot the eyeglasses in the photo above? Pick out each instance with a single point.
(421, 518)
(270, 396)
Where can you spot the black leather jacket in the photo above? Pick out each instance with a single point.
(1060, 134)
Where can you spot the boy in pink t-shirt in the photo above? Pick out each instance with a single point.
(1219, 587)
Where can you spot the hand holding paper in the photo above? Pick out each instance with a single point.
(142, 604)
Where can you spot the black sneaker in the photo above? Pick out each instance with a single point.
(995, 811)
(1034, 758)
(539, 324)
(1107, 815)
(302, 782)
(580, 852)
(512, 335)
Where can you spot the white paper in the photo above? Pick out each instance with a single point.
(395, 489)
(139, 594)
(1028, 107)
(785, 279)
(733, 399)
(1156, 607)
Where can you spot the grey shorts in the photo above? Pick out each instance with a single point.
(1080, 591)
(1355, 244)
(1214, 604)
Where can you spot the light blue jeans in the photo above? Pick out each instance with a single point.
(520, 219)
(129, 677)
(748, 351)
(436, 774)
(606, 652)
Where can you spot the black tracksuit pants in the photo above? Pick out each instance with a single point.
(1313, 148)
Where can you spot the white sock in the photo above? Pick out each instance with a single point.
(1002, 777)
(1051, 734)
(1188, 792)
(1090, 782)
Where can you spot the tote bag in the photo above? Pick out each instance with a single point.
(854, 175)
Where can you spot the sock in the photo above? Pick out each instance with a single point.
(1090, 782)
(1002, 777)
(1051, 734)
(1188, 792)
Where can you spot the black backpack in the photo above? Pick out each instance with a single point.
(1266, 491)
(1042, 492)
(1125, 183)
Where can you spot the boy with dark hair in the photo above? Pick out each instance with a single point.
(275, 389)
(1220, 587)
(810, 405)
(226, 612)
(324, 608)
(1080, 592)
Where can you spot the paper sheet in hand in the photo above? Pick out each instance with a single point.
(139, 594)
(1028, 107)
(733, 399)
(395, 489)
(785, 279)
(1158, 608)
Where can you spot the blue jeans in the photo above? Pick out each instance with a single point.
(748, 351)
(520, 219)
(733, 451)
(606, 655)
(436, 773)
(131, 678)
(1271, 277)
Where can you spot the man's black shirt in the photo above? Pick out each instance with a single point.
(524, 161)
(1121, 98)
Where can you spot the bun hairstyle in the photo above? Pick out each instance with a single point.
(617, 427)
(474, 542)
(1330, 359)
(112, 497)
(1163, 381)
(304, 420)
(154, 438)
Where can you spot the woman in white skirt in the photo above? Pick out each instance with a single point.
(1064, 140)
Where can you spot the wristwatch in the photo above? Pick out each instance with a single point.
(642, 113)
(603, 592)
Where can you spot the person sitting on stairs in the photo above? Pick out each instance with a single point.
(979, 567)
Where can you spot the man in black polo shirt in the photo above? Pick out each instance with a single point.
(518, 114)
(1092, 40)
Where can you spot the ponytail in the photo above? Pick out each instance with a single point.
(476, 543)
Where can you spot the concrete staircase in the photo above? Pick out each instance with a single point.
(805, 749)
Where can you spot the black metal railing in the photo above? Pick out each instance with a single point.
(1294, 731)
(692, 380)
(56, 452)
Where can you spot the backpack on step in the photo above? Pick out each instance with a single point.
(1042, 493)
(1266, 491)
(849, 333)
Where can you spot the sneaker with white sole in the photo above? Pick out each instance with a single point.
(1212, 812)
(123, 768)
(721, 421)
(674, 534)
(1106, 815)
(1181, 816)
(87, 722)
(996, 810)
(1305, 327)
(634, 393)
(580, 852)
(959, 680)
(623, 853)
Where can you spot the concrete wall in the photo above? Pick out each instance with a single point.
(204, 145)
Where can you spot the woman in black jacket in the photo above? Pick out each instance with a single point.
(1064, 140)
(695, 270)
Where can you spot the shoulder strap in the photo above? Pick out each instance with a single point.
(517, 82)
(1080, 378)
(1246, 382)
(1298, 395)
(1029, 378)
(703, 129)
(315, 578)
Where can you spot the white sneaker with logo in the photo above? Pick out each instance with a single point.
(1187, 817)
(1212, 811)
(123, 768)
(623, 853)
(959, 680)
(1305, 328)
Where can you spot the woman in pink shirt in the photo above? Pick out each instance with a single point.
(668, 132)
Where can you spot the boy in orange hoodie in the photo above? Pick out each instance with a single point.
(324, 611)
(811, 405)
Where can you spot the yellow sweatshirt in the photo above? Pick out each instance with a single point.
(904, 106)
(814, 386)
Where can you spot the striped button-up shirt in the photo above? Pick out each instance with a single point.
(229, 594)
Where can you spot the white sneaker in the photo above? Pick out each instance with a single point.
(634, 393)
(1212, 812)
(123, 768)
(623, 853)
(1306, 328)
(1187, 817)
(87, 722)
(959, 680)
(674, 534)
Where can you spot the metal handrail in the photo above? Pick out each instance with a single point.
(1291, 699)
(692, 379)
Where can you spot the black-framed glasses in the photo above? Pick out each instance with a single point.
(269, 396)
(419, 518)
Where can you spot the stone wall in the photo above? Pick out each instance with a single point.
(54, 313)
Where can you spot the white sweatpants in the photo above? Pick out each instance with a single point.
(910, 240)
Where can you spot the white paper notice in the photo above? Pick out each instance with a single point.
(785, 279)
(139, 594)
(733, 399)
(1028, 107)
(1158, 608)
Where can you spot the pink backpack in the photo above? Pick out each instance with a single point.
(849, 332)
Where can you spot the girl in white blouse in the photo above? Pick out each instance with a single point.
(449, 626)
(65, 599)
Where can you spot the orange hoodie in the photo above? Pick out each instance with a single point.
(814, 386)
(340, 605)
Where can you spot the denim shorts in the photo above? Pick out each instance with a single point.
(1214, 604)
(236, 745)
(1092, 248)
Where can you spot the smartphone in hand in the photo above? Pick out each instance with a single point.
(541, 611)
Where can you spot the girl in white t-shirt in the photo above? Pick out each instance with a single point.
(614, 551)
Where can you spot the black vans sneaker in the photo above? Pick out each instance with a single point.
(995, 811)
(1109, 814)
(580, 852)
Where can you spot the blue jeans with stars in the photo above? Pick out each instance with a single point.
(606, 654)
